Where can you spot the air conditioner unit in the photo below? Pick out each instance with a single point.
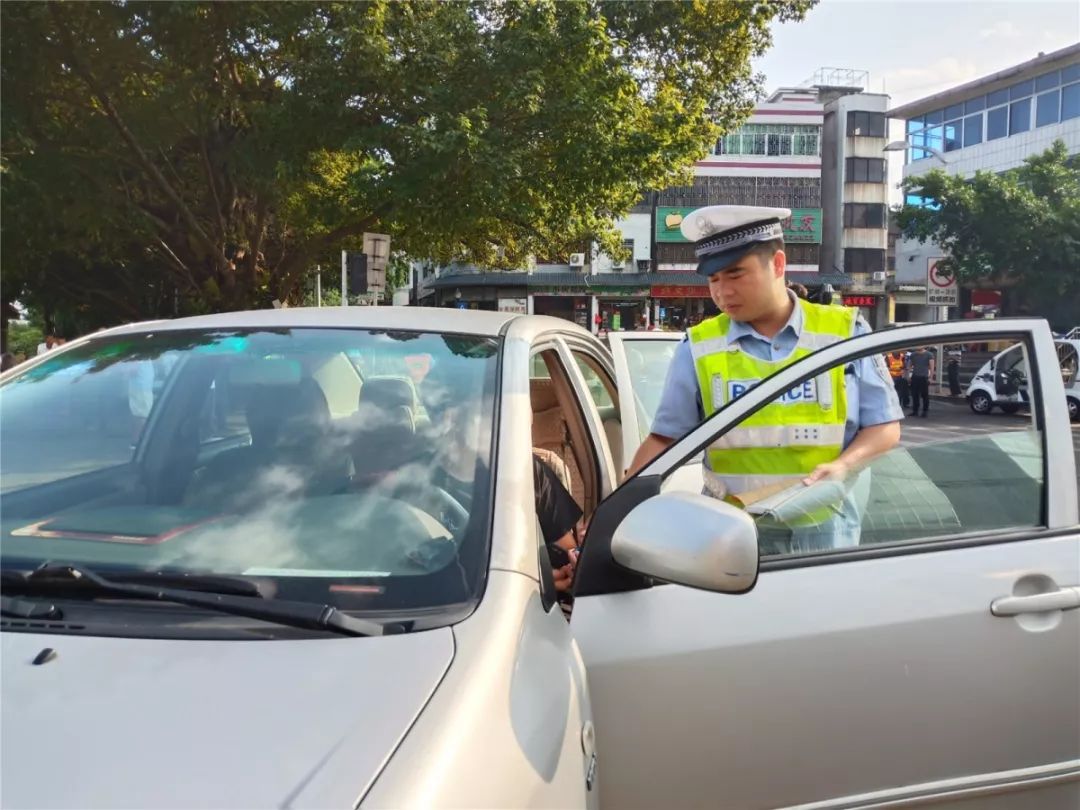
(577, 259)
(878, 276)
(618, 266)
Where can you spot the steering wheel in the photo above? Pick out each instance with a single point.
(436, 501)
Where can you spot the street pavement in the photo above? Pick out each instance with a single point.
(951, 419)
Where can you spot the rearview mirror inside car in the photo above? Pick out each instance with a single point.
(691, 540)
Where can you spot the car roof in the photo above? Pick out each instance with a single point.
(427, 319)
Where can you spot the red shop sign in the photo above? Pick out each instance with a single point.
(679, 291)
(860, 301)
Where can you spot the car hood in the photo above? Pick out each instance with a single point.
(148, 723)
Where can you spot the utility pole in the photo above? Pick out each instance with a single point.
(344, 280)
(318, 285)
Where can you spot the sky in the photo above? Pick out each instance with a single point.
(914, 49)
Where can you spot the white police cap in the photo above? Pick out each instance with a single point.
(723, 234)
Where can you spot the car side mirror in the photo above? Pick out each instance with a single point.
(691, 540)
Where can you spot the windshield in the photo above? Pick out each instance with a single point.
(648, 361)
(346, 467)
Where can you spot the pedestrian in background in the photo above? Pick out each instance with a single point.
(922, 369)
(799, 289)
(953, 369)
(898, 371)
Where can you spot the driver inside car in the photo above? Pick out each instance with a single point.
(451, 404)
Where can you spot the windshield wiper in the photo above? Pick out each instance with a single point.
(73, 579)
(189, 580)
(25, 609)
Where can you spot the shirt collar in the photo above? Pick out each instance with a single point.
(740, 329)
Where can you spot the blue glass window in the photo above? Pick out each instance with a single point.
(975, 104)
(954, 138)
(1070, 102)
(914, 124)
(1020, 116)
(1021, 89)
(936, 117)
(997, 97)
(935, 138)
(997, 123)
(955, 111)
(1070, 74)
(973, 127)
(1046, 108)
(1048, 81)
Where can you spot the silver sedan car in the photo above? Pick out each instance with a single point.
(293, 559)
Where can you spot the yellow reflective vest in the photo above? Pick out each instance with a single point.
(791, 435)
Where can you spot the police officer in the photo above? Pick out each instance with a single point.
(898, 371)
(763, 328)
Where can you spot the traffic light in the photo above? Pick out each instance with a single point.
(356, 268)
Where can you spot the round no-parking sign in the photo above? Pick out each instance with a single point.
(941, 290)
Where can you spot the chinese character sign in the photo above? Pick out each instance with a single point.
(941, 289)
(803, 226)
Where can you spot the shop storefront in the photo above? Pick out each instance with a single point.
(573, 308)
(678, 306)
(622, 314)
(869, 306)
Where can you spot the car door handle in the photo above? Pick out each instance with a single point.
(1061, 599)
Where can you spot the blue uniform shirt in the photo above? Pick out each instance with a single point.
(871, 395)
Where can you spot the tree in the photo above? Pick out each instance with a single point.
(1018, 231)
(202, 156)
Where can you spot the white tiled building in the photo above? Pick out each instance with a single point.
(991, 124)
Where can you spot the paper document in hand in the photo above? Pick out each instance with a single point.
(798, 501)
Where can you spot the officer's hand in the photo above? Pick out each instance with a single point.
(830, 471)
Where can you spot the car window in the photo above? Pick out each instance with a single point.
(72, 415)
(648, 361)
(599, 387)
(953, 471)
(260, 455)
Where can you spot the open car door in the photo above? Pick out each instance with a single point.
(933, 660)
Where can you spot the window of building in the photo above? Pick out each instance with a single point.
(1047, 81)
(997, 123)
(861, 123)
(954, 135)
(772, 139)
(864, 215)
(864, 260)
(1047, 106)
(776, 192)
(1070, 101)
(1021, 90)
(865, 170)
(1038, 102)
(1020, 116)
(973, 130)
(804, 255)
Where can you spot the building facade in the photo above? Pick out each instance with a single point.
(990, 124)
(815, 149)
(855, 199)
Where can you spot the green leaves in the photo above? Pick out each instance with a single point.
(221, 150)
(1019, 230)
